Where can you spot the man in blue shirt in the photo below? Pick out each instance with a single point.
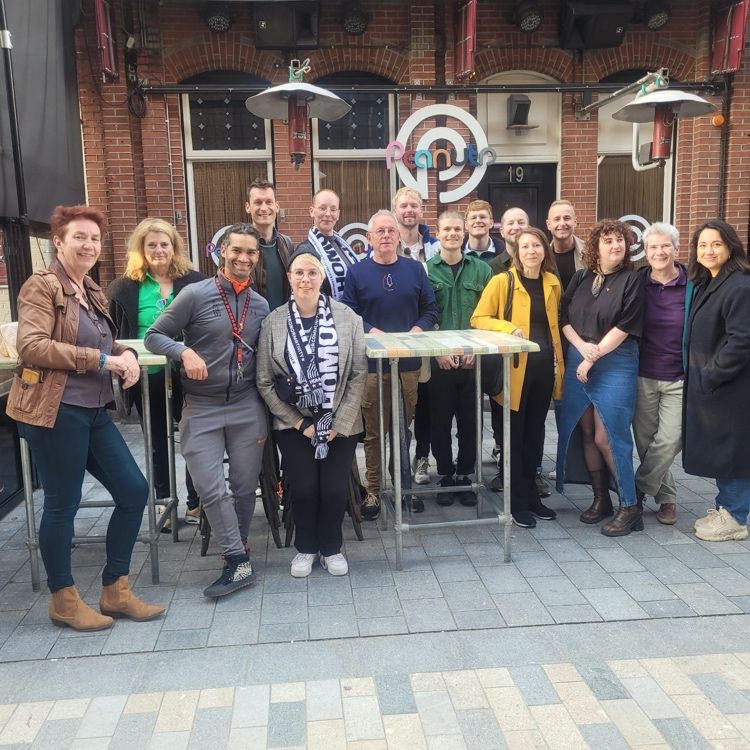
(391, 293)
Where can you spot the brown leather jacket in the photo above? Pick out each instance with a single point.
(47, 331)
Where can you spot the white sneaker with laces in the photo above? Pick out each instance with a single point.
(709, 517)
(721, 526)
(421, 471)
(302, 564)
(336, 565)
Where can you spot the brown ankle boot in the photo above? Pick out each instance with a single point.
(602, 505)
(118, 600)
(66, 608)
(625, 520)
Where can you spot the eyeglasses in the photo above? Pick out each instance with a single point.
(299, 274)
(324, 209)
(161, 304)
(385, 232)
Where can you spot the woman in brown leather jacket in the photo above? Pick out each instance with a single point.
(60, 394)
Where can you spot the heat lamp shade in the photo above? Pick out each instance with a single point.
(273, 104)
(684, 103)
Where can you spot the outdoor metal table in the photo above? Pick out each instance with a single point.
(396, 346)
(145, 360)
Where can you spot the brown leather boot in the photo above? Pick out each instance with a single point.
(118, 600)
(667, 513)
(67, 609)
(625, 520)
(602, 505)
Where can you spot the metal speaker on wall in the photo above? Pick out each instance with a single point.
(586, 25)
(286, 25)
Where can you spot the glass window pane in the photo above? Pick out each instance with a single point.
(366, 125)
(220, 122)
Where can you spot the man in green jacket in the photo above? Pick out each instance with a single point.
(458, 281)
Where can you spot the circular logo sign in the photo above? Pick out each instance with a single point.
(638, 225)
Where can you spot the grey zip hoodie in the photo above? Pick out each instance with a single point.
(199, 314)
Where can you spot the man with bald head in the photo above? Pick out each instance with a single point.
(567, 248)
(512, 223)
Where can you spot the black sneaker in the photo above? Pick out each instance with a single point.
(540, 510)
(370, 508)
(542, 485)
(446, 498)
(237, 574)
(524, 519)
(417, 504)
(467, 499)
(496, 485)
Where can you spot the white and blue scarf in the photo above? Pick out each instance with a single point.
(313, 355)
(337, 258)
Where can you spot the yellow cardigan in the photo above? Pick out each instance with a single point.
(488, 316)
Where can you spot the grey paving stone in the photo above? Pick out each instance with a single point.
(641, 545)
(395, 695)
(234, 628)
(328, 591)
(416, 584)
(480, 730)
(614, 604)
(128, 636)
(428, 615)
(191, 583)
(668, 535)
(279, 581)
(454, 569)
(616, 560)
(485, 554)
(604, 736)
(377, 602)
(55, 734)
(568, 613)
(246, 600)
(362, 718)
(382, 625)
(556, 590)
(534, 684)
(740, 563)
(133, 731)
(101, 717)
(169, 741)
(549, 529)
(668, 608)
(536, 565)
(726, 698)
(436, 713)
(464, 596)
(376, 574)
(479, 619)
(283, 632)
(412, 558)
(174, 640)
(704, 599)
(670, 571)
(602, 681)
(90, 645)
(334, 621)
(565, 550)
(211, 728)
(522, 609)
(442, 545)
(29, 642)
(287, 726)
(643, 586)
(656, 704)
(283, 608)
(587, 575)
(475, 535)
(589, 537)
(251, 706)
(696, 556)
(189, 614)
(323, 700)
(368, 549)
(503, 579)
(680, 733)
(727, 581)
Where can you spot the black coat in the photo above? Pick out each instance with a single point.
(716, 396)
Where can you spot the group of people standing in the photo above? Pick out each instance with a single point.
(279, 332)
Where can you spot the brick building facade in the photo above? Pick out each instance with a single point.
(151, 165)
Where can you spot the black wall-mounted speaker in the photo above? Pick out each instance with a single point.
(286, 25)
(585, 25)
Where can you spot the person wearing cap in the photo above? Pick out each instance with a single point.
(220, 320)
(312, 371)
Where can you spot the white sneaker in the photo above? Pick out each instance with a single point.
(709, 517)
(193, 515)
(721, 526)
(421, 471)
(336, 565)
(302, 564)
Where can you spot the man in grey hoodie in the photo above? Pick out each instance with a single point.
(219, 320)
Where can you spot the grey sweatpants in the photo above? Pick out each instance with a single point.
(208, 430)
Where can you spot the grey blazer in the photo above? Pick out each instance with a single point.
(347, 415)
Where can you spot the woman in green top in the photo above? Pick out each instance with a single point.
(157, 269)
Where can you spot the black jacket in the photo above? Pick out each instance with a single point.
(284, 248)
(715, 424)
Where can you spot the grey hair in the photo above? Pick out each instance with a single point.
(382, 212)
(661, 227)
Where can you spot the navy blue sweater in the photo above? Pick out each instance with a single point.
(394, 297)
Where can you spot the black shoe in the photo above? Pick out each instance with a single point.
(540, 510)
(496, 485)
(237, 574)
(467, 499)
(417, 504)
(370, 508)
(524, 519)
(542, 485)
(446, 498)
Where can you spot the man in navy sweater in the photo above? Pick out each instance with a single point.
(391, 293)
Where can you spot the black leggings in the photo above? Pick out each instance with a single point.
(319, 488)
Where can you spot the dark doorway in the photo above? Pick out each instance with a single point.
(531, 187)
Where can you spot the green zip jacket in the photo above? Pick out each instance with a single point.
(458, 295)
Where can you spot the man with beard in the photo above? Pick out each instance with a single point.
(568, 249)
(514, 220)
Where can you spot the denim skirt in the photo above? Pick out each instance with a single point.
(611, 389)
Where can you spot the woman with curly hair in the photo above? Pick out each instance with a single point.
(601, 316)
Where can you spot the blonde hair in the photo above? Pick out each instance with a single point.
(408, 193)
(137, 266)
(312, 258)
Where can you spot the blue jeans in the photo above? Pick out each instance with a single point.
(734, 496)
(84, 439)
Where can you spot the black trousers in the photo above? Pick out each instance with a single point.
(496, 414)
(527, 429)
(452, 394)
(157, 402)
(422, 430)
(320, 490)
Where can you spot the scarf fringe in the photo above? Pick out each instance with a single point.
(321, 451)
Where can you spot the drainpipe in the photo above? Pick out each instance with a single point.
(726, 105)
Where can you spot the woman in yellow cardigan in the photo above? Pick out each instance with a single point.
(534, 377)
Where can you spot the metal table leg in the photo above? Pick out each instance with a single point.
(28, 496)
(506, 456)
(396, 455)
(153, 532)
(478, 399)
(383, 464)
(170, 450)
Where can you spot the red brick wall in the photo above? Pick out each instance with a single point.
(135, 167)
